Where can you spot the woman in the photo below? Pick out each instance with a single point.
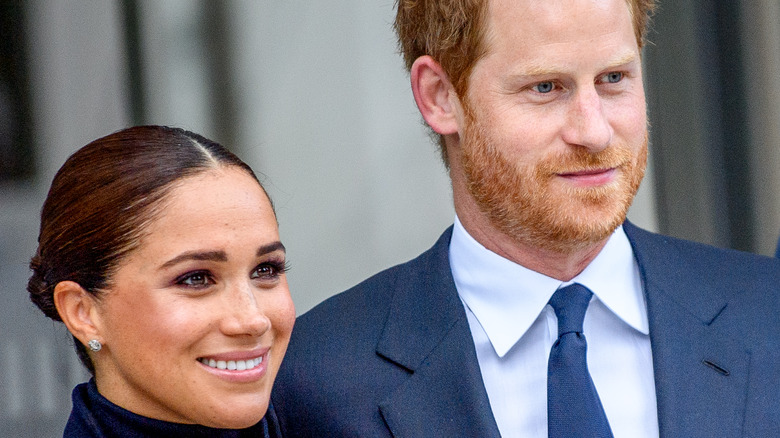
(160, 252)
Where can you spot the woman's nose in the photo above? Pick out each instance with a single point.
(243, 315)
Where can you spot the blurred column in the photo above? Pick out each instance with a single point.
(75, 71)
(326, 112)
(761, 49)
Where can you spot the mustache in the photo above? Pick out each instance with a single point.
(583, 160)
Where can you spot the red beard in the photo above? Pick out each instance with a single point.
(531, 205)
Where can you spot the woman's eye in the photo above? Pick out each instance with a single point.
(613, 77)
(195, 279)
(269, 270)
(543, 87)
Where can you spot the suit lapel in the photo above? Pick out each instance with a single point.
(428, 334)
(701, 370)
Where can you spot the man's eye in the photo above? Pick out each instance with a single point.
(613, 77)
(544, 87)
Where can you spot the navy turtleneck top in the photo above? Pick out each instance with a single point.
(94, 416)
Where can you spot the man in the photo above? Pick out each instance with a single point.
(541, 111)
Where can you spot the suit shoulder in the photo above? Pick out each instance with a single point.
(689, 269)
(658, 249)
(366, 304)
(366, 301)
(332, 362)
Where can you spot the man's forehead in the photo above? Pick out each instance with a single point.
(532, 17)
(513, 26)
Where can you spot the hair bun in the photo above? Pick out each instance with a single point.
(39, 289)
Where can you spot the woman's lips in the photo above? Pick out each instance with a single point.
(237, 366)
(231, 365)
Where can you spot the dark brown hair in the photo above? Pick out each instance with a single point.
(101, 200)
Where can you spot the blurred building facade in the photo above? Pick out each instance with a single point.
(314, 96)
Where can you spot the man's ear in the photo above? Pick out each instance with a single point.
(435, 95)
(78, 311)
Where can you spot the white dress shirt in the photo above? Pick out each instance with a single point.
(514, 328)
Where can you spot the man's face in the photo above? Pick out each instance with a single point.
(553, 131)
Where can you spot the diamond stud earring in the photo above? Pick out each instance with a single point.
(94, 345)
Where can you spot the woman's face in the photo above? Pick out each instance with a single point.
(198, 317)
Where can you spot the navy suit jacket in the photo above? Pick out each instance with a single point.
(777, 252)
(394, 356)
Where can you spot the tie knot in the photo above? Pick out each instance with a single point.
(570, 304)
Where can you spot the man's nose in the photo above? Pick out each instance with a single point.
(587, 124)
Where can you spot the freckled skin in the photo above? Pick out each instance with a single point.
(157, 320)
(547, 101)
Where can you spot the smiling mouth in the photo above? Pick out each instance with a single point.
(232, 365)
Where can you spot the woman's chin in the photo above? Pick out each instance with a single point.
(236, 420)
(231, 408)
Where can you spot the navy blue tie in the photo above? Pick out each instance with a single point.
(573, 405)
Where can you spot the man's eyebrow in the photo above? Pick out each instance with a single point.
(540, 70)
(623, 60)
(215, 256)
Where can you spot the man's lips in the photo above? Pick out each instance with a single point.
(591, 177)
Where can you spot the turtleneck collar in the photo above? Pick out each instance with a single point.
(94, 416)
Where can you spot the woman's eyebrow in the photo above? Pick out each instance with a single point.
(271, 247)
(218, 256)
(215, 256)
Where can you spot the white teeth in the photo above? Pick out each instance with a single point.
(232, 365)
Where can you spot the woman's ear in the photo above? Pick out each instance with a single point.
(435, 95)
(78, 311)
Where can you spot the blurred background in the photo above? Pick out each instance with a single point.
(314, 96)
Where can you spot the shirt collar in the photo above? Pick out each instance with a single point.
(507, 298)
